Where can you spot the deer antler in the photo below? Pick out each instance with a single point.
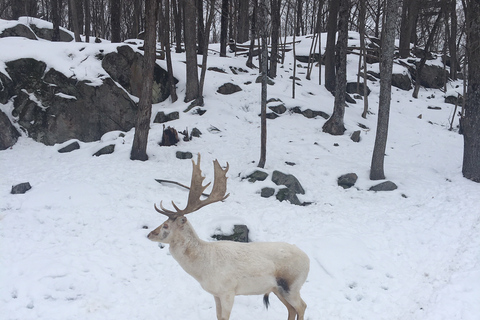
(196, 189)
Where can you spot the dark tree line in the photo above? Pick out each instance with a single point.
(447, 27)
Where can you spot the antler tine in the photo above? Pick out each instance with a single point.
(196, 189)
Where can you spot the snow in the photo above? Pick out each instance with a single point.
(75, 246)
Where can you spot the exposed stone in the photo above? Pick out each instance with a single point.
(169, 137)
(347, 180)
(126, 67)
(433, 76)
(70, 147)
(240, 234)
(19, 30)
(272, 115)
(183, 155)
(280, 109)
(288, 195)
(53, 108)
(401, 81)
(47, 33)
(8, 133)
(195, 133)
(161, 117)
(352, 88)
(384, 186)
(458, 100)
(267, 192)
(309, 113)
(105, 150)
(305, 59)
(228, 88)
(7, 89)
(288, 180)
(270, 82)
(355, 137)
(21, 188)
(257, 175)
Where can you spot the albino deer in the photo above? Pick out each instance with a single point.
(225, 268)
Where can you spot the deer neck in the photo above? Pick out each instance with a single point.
(187, 248)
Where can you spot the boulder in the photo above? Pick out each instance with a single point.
(384, 186)
(105, 150)
(21, 188)
(183, 155)
(8, 133)
(228, 88)
(18, 30)
(70, 147)
(352, 88)
(280, 109)
(126, 67)
(309, 113)
(53, 108)
(401, 81)
(267, 192)
(47, 33)
(288, 195)
(433, 76)
(355, 137)
(239, 234)
(257, 175)
(161, 117)
(347, 180)
(288, 180)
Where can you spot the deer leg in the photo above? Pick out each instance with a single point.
(291, 310)
(297, 303)
(224, 306)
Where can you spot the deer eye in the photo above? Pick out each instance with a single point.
(165, 226)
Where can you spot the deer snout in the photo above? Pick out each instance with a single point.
(152, 234)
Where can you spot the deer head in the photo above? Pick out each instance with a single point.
(176, 218)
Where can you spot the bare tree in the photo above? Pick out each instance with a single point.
(56, 19)
(330, 47)
(471, 120)
(275, 13)
(115, 18)
(192, 89)
(224, 28)
(334, 124)
(75, 22)
(262, 6)
(142, 126)
(386, 66)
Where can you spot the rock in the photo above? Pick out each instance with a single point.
(280, 109)
(21, 188)
(309, 113)
(47, 33)
(355, 137)
(105, 150)
(183, 155)
(70, 147)
(53, 108)
(288, 195)
(384, 186)
(267, 192)
(352, 88)
(288, 180)
(161, 117)
(228, 88)
(270, 82)
(257, 175)
(401, 81)
(8, 133)
(7, 88)
(347, 180)
(195, 133)
(240, 234)
(271, 115)
(313, 58)
(19, 30)
(126, 67)
(458, 100)
(433, 76)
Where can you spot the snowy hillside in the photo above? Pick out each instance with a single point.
(75, 246)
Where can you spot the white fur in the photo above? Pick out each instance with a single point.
(226, 269)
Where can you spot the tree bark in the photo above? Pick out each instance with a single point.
(142, 126)
(87, 20)
(471, 120)
(334, 124)
(115, 18)
(263, 68)
(177, 18)
(76, 27)
(388, 49)
(243, 26)
(275, 13)
(409, 16)
(192, 84)
(56, 20)
(200, 27)
(224, 28)
(330, 47)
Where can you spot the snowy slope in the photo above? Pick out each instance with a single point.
(75, 246)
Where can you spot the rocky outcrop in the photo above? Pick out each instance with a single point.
(126, 67)
(53, 108)
(8, 133)
(18, 30)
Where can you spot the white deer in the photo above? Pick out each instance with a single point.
(225, 268)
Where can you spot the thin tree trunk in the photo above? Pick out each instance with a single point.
(192, 84)
(210, 15)
(142, 126)
(253, 32)
(330, 47)
(275, 13)
(200, 27)
(115, 20)
(224, 28)
(263, 68)
(168, 54)
(335, 124)
(87, 20)
(388, 48)
(471, 120)
(178, 25)
(56, 20)
(76, 28)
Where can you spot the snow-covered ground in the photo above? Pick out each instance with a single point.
(75, 246)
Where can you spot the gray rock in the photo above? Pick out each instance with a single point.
(240, 234)
(21, 188)
(228, 88)
(280, 109)
(347, 180)
(105, 150)
(8, 133)
(19, 30)
(352, 88)
(384, 186)
(286, 194)
(70, 147)
(401, 81)
(355, 137)
(183, 155)
(161, 117)
(257, 175)
(288, 180)
(267, 192)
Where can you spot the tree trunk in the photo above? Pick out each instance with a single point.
(142, 126)
(253, 33)
(410, 10)
(115, 18)
(192, 85)
(471, 120)
(263, 68)
(56, 20)
(177, 9)
(243, 26)
(206, 32)
(388, 49)
(200, 27)
(224, 28)
(76, 28)
(334, 124)
(452, 45)
(275, 12)
(299, 26)
(87, 20)
(330, 47)
(168, 54)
